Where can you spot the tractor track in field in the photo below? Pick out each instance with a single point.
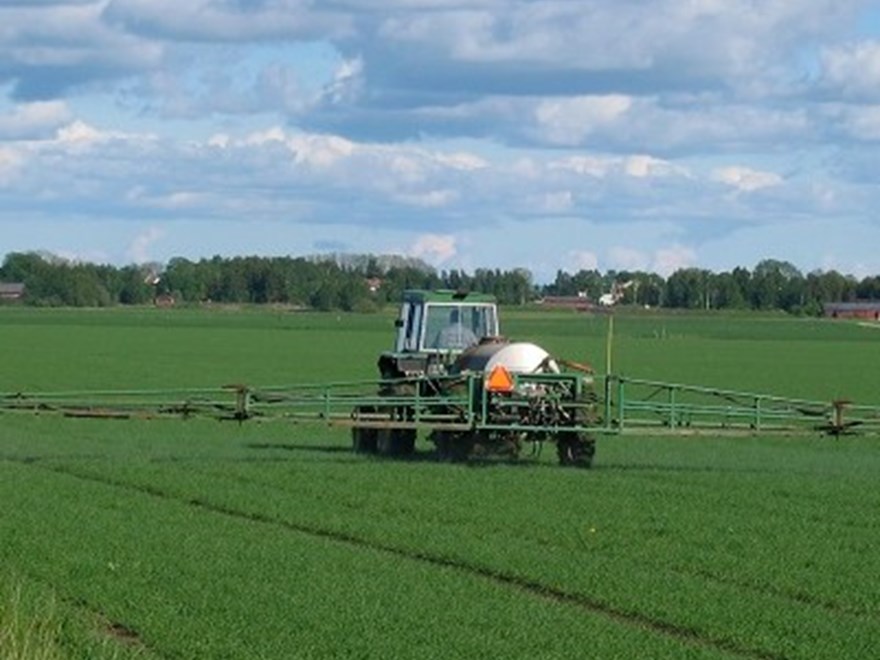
(790, 594)
(530, 587)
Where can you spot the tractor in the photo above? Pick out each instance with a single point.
(473, 393)
(479, 394)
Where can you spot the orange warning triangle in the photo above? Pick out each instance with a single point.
(499, 380)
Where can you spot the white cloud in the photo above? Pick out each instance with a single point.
(407, 168)
(663, 261)
(862, 122)
(219, 140)
(625, 258)
(639, 166)
(670, 259)
(179, 200)
(434, 248)
(732, 37)
(139, 249)
(558, 201)
(467, 162)
(347, 83)
(707, 125)
(746, 179)
(404, 173)
(429, 199)
(642, 166)
(585, 165)
(850, 266)
(320, 151)
(225, 21)
(853, 69)
(70, 37)
(10, 161)
(582, 260)
(569, 121)
(259, 138)
(79, 133)
(30, 119)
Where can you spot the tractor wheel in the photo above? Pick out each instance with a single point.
(363, 440)
(455, 447)
(405, 442)
(575, 449)
(395, 442)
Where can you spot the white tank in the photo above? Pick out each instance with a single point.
(518, 357)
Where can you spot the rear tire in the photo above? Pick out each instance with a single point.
(454, 446)
(395, 442)
(364, 440)
(575, 449)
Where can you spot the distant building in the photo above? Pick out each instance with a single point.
(164, 300)
(578, 302)
(618, 289)
(866, 309)
(11, 290)
(374, 284)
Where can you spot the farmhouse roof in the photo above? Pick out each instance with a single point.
(566, 301)
(11, 288)
(864, 305)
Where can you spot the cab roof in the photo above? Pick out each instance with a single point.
(447, 296)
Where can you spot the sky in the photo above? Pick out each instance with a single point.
(547, 135)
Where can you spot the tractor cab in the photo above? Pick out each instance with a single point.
(434, 327)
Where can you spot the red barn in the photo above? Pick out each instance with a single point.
(11, 290)
(866, 309)
(579, 302)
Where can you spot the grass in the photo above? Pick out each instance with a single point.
(204, 539)
(216, 581)
(29, 626)
(36, 625)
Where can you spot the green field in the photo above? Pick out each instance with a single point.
(205, 539)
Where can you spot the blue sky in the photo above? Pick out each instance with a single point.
(560, 134)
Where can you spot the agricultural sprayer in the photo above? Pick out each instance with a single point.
(454, 378)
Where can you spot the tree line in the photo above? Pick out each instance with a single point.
(365, 282)
(319, 283)
(771, 285)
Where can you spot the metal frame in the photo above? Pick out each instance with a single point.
(623, 405)
(650, 406)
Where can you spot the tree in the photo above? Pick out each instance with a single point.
(831, 286)
(688, 288)
(777, 285)
(728, 292)
(133, 287)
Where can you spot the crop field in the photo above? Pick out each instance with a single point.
(165, 538)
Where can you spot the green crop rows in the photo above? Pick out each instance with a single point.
(205, 539)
